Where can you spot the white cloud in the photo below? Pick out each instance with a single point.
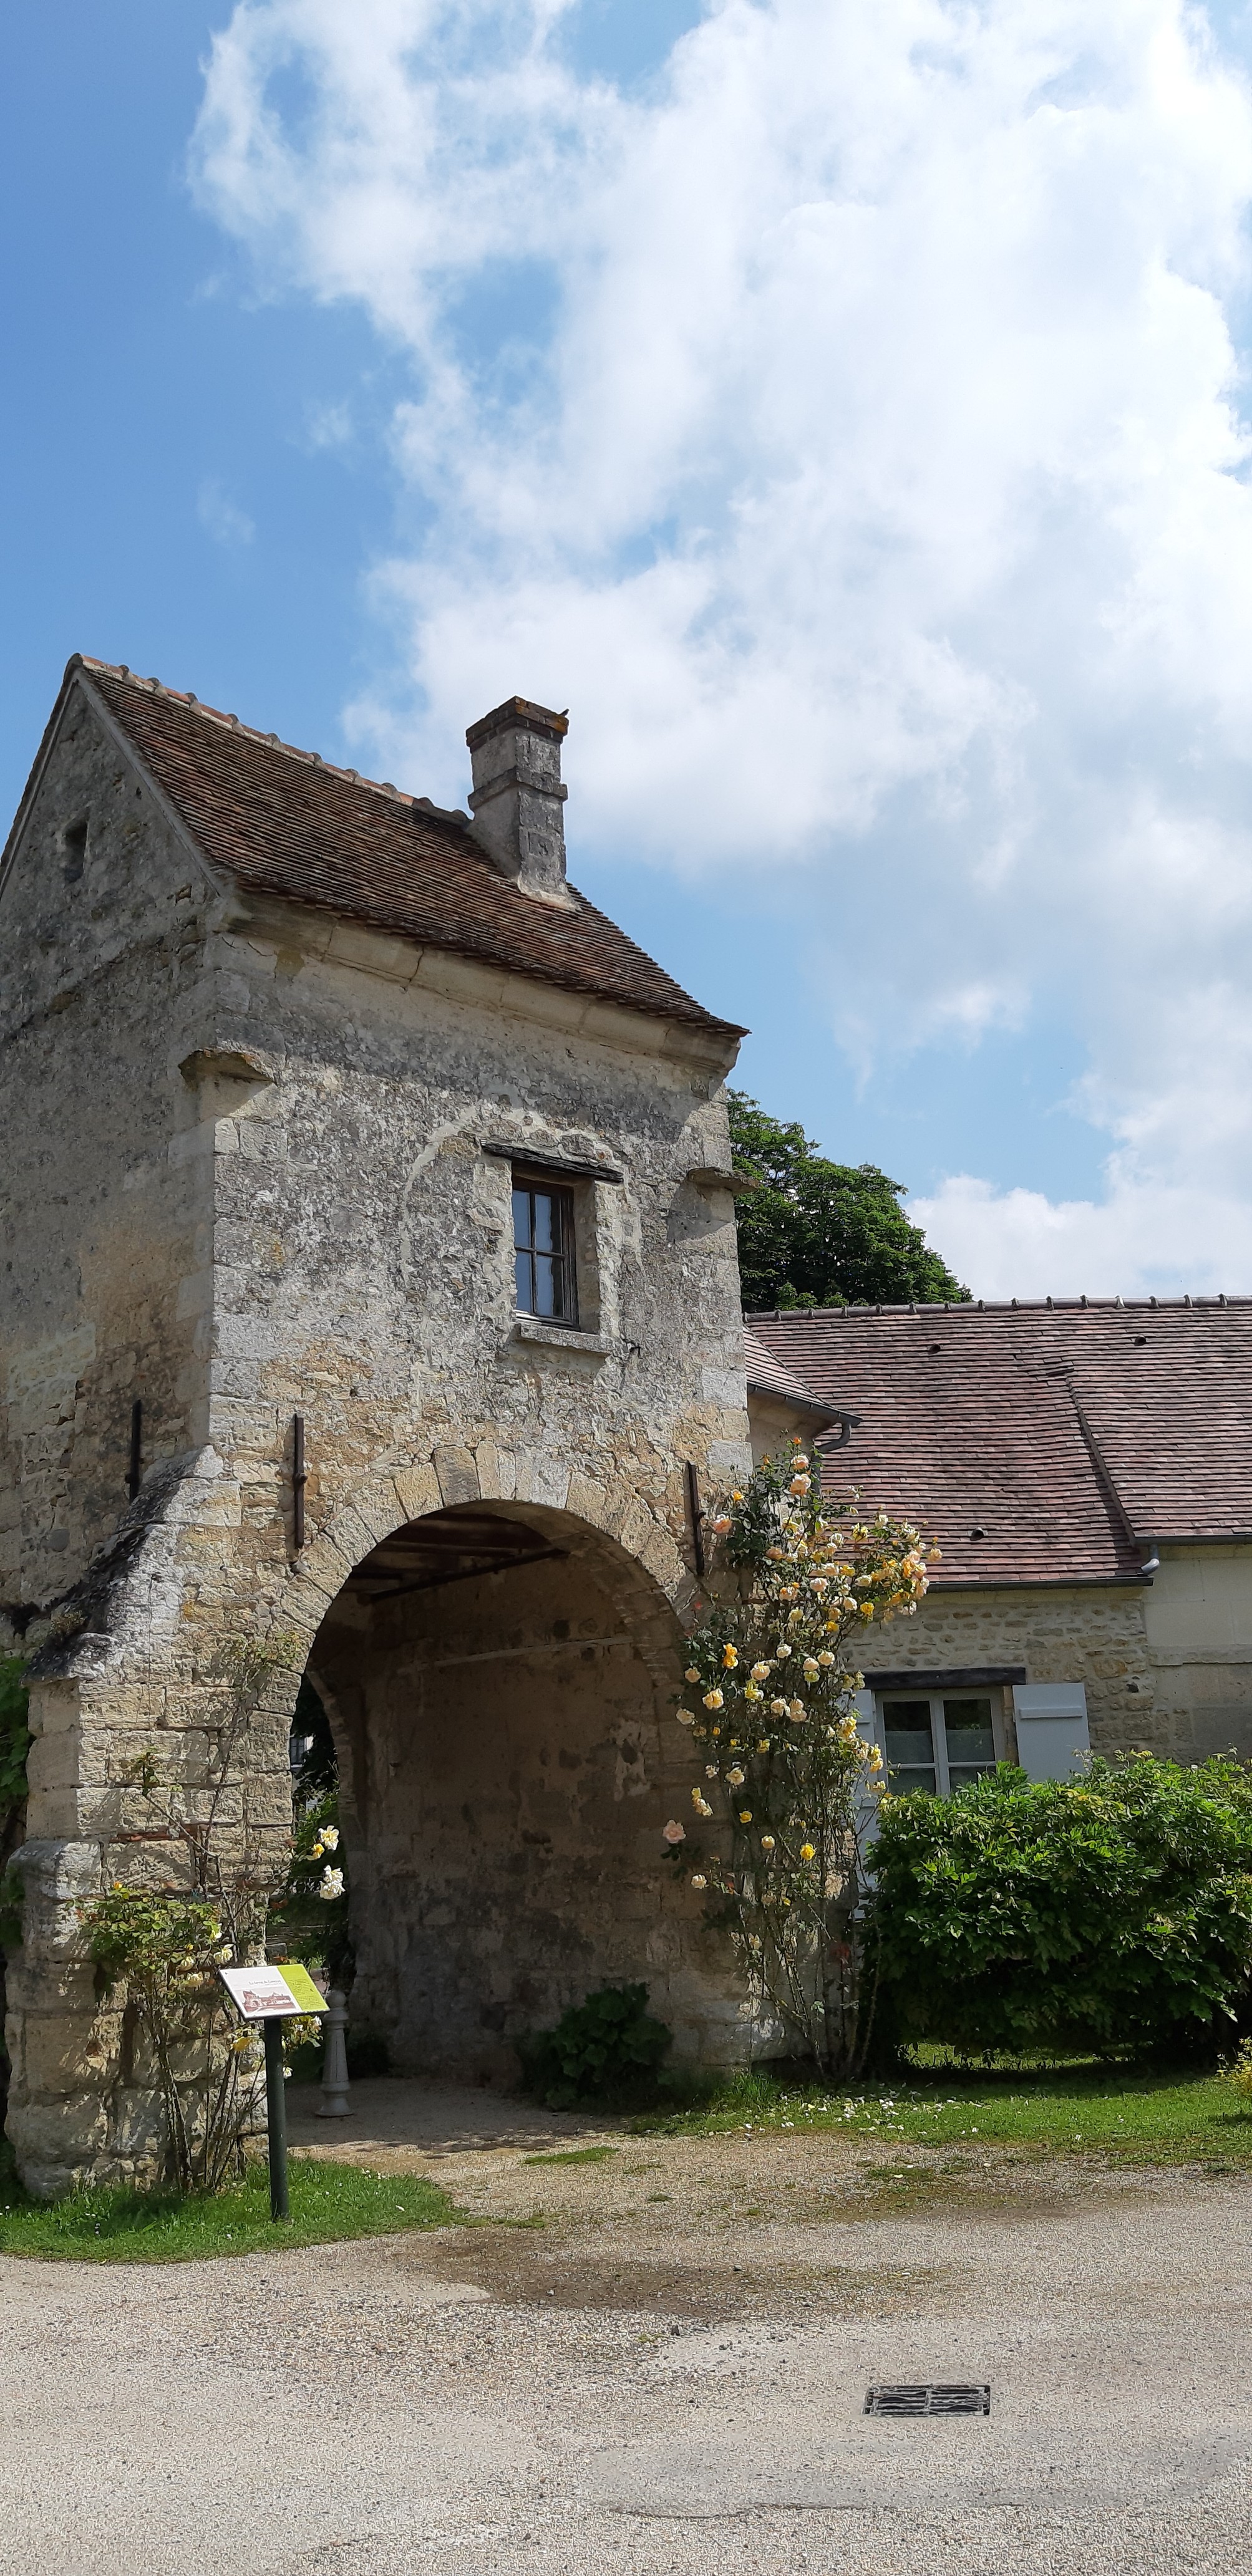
(876, 489)
(221, 518)
(1142, 1240)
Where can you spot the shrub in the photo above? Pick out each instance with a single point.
(1240, 2074)
(1110, 1911)
(309, 1913)
(166, 1949)
(785, 1774)
(607, 2049)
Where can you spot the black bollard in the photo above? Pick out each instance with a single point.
(276, 2114)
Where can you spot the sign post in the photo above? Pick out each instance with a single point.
(276, 2115)
(273, 1996)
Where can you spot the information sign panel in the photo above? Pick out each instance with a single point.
(262, 1994)
(309, 1997)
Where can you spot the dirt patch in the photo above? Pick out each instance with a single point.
(525, 2269)
(680, 2233)
(703, 2231)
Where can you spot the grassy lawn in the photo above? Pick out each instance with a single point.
(123, 2226)
(1129, 2113)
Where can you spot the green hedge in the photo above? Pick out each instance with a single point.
(1105, 1912)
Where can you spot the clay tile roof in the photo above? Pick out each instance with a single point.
(1071, 1436)
(285, 822)
(769, 1376)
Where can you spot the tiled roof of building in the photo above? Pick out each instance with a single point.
(286, 822)
(1039, 1443)
(768, 1375)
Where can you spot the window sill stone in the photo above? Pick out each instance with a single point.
(561, 1337)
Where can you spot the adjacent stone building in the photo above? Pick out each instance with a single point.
(1084, 1466)
(370, 1307)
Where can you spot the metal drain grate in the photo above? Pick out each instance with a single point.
(932, 2398)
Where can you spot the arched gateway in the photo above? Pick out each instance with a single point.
(498, 1678)
(373, 1304)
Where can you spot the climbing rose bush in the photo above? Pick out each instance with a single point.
(165, 1948)
(787, 1782)
(310, 1912)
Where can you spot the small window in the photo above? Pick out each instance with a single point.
(74, 850)
(543, 1249)
(939, 1743)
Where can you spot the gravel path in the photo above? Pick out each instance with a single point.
(650, 2364)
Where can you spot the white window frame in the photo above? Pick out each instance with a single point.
(870, 1705)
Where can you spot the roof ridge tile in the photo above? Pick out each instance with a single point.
(291, 825)
(272, 741)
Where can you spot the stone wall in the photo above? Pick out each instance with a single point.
(107, 1226)
(311, 1225)
(1198, 1627)
(508, 1754)
(1166, 1664)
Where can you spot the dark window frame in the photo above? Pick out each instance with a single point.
(545, 1253)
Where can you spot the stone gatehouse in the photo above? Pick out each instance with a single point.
(369, 1294)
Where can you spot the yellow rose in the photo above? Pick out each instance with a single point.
(807, 1852)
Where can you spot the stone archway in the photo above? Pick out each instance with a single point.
(499, 1678)
(577, 1895)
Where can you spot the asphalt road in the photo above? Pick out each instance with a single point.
(668, 2375)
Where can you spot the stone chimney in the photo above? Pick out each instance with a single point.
(517, 797)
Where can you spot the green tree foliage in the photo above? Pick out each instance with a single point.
(824, 1234)
(1110, 1911)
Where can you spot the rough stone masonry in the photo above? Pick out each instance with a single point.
(276, 1044)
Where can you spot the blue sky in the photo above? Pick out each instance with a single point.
(840, 408)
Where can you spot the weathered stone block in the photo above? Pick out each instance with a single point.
(457, 1472)
(59, 2049)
